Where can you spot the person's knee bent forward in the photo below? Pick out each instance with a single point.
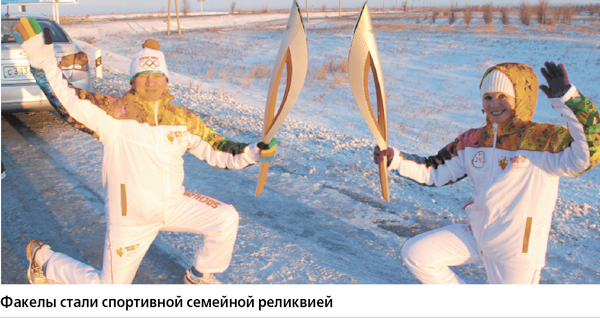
(429, 255)
(427, 269)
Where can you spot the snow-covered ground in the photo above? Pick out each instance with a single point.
(321, 218)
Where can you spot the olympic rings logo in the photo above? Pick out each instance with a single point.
(149, 64)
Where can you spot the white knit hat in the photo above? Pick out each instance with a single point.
(148, 60)
(497, 81)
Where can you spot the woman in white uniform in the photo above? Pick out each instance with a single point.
(514, 165)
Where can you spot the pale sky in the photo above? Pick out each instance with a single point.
(137, 6)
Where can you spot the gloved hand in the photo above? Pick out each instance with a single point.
(264, 146)
(557, 78)
(267, 151)
(36, 43)
(378, 155)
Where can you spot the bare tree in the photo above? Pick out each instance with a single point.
(596, 9)
(568, 13)
(233, 4)
(405, 6)
(487, 13)
(558, 13)
(452, 17)
(504, 15)
(468, 15)
(187, 7)
(542, 11)
(434, 15)
(524, 13)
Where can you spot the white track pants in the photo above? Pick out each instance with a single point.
(125, 247)
(430, 254)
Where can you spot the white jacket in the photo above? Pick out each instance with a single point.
(143, 142)
(515, 168)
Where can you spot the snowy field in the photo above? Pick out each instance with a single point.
(321, 218)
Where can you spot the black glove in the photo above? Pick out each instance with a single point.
(47, 36)
(557, 78)
(378, 155)
(264, 146)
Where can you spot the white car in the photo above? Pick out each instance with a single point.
(19, 90)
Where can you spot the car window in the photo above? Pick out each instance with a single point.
(8, 27)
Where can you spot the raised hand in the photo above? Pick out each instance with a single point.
(36, 43)
(557, 78)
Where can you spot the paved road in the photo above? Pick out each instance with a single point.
(43, 199)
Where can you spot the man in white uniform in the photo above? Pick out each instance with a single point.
(144, 138)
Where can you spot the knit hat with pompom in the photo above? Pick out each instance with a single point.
(148, 60)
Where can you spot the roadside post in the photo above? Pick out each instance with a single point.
(201, 6)
(307, 17)
(98, 64)
(56, 15)
(169, 19)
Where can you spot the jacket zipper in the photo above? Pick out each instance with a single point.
(487, 185)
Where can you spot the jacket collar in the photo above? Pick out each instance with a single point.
(143, 111)
(510, 126)
(133, 97)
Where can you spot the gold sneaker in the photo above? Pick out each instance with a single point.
(35, 273)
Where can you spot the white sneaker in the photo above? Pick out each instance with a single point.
(35, 273)
(210, 280)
